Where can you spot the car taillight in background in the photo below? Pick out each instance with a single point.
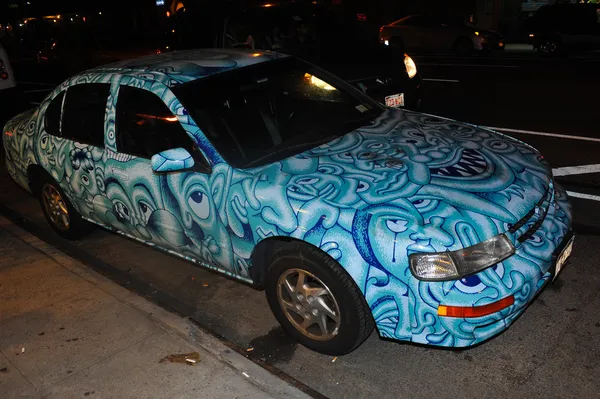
(3, 73)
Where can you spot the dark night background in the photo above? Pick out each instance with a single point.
(550, 103)
(146, 23)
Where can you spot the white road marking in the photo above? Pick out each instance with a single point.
(576, 170)
(37, 83)
(583, 196)
(36, 91)
(469, 65)
(441, 80)
(532, 132)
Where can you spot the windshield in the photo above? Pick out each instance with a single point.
(273, 110)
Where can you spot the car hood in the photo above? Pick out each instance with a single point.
(434, 177)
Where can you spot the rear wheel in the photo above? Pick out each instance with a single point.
(59, 212)
(316, 301)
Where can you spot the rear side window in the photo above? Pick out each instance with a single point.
(416, 20)
(84, 111)
(52, 117)
(146, 126)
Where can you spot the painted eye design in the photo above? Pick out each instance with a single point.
(499, 145)
(367, 155)
(397, 226)
(536, 238)
(145, 209)
(362, 187)
(86, 180)
(330, 169)
(470, 285)
(375, 146)
(308, 180)
(122, 211)
(198, 203)
(44, 142)
(425, 205)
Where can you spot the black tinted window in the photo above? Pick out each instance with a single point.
(146, 126)
(273, 110)
(84, 111)
(52, 117)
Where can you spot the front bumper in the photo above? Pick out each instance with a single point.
(521, 276)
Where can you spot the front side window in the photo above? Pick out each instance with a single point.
(273, 110)
(52, 116)
(146, 126)
(84, 112)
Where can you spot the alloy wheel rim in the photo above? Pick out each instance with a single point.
(548, 47)
(56, 207)
(308, 304)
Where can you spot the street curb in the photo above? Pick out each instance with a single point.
(265, 377)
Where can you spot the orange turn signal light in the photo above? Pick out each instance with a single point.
(475, 311)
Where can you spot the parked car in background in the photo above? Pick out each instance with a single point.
(7, 77)
(430, 33)
(275, 172)
(8, 88)
(560, 29)
(323, 35)
(72, 50)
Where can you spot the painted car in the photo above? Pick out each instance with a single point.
(270, 170)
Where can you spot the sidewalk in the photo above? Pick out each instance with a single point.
(68, 332)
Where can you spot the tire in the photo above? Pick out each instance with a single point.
(549, 47)
(463, 47)
(57, 209)
(331, 288)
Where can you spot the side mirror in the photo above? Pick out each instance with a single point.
(172, 160)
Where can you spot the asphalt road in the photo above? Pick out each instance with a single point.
(551, 351)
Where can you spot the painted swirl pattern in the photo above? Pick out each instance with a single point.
(407, 183)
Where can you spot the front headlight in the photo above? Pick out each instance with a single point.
(440, 266)
(411, 68)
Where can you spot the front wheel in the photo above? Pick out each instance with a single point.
(463, 47)
(59, 212)
(549, 47)
(316, 301)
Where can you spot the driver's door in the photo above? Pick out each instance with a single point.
(172, 210)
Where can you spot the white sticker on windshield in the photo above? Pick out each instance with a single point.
(362, 108)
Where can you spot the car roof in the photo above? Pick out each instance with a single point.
(177, 67)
